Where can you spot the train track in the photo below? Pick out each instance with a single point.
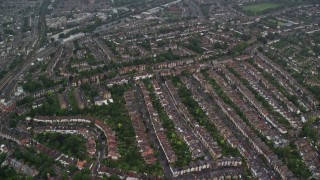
(5, 80)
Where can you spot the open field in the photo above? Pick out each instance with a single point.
(260, 7)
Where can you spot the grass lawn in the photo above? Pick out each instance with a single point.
(260, 7)
(72, 99)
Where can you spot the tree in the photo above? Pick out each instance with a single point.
(32, 86)
(72, 168)
(316, 50)
(47, 82)
(262, 39)
(62, 35)
(12, 123)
